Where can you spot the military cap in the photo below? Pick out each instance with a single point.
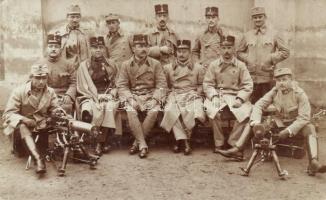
(257, 11)
(73, 9)
(96, 41)
(39, 69)
(161, 8)
(227, 40)
(140, 39)
(111, 17)
(211, 11)
(183, 44)
(54, 39)
(282, 71)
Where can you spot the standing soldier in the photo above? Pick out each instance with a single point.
(96, 78)
(207, 45)
(261, 49)
(184, 102)
(74, 40)
(292, 116)
(118, 44)
(27, 110)
(142, 86)
(228, 86)
(62, 74)
(162, 39)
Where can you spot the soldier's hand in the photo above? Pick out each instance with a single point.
(29, 122)
(66, 99)
(58, 112)
(166, 49)
(216, 102)
(237, 103)
(150, 104)
(134, 103)
(283, 134)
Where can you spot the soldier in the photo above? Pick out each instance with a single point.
(27, 109)
(228, 86)
(142, 86)
(292, 113)
(62, 74)
(96, 78)
(118, 44)
(184, 102)
(162, 39)
(207, 45)
(74, 40)
(261, 49)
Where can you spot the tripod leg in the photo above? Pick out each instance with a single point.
(62, 169)
(281, 173)
(252, 159)
(91, 159)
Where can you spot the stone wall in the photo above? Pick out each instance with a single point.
(24, 24)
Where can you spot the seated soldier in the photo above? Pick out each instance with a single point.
(28, 108)
(184, 102)
(98, 102)
(292, 114)
(141, 85)
(62, 75)
(228, 86)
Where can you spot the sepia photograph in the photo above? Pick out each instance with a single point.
(162, 99)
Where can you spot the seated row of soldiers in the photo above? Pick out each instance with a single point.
(143, 85)
(97, 86)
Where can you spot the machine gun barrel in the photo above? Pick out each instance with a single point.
(83, 127)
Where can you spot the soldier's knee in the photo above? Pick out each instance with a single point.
(308, 130)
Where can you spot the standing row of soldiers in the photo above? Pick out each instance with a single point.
(146, 72)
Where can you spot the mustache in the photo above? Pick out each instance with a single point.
(162, 21)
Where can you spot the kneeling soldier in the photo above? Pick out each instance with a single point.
(292, 113)
(142, 86)
(28, 108)
(228, 86)
(184, 102)
(96, 79)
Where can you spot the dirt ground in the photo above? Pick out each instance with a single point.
(163, 175)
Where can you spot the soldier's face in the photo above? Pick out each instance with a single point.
(39, 82)
(162, 19)
(227, 52)
(113, 25)
(183, 54)
(259, 20)
(98, 51)
(212, 20)
(140, 50)
(53, 50)
(73, 19)
(284, 82)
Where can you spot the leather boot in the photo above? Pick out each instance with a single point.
(234, 153)
(143, 153)
(187, 149)
(177, 146)
(30, 144)
(133, 149)
(314, 165)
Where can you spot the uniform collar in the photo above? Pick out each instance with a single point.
(119, 33)
(188, 63)
(216, 29)
(28, 88)
(261, 30)
(156, 30)
(134, 61)
(233, 61)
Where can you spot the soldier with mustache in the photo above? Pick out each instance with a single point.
(207, 45)
(162, 39)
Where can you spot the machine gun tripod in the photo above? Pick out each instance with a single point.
(266, 147)
(69, 136)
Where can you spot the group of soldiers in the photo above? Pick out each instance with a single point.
(143, 74)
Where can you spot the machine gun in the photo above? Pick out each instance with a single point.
(264, 135)
(69, 136)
